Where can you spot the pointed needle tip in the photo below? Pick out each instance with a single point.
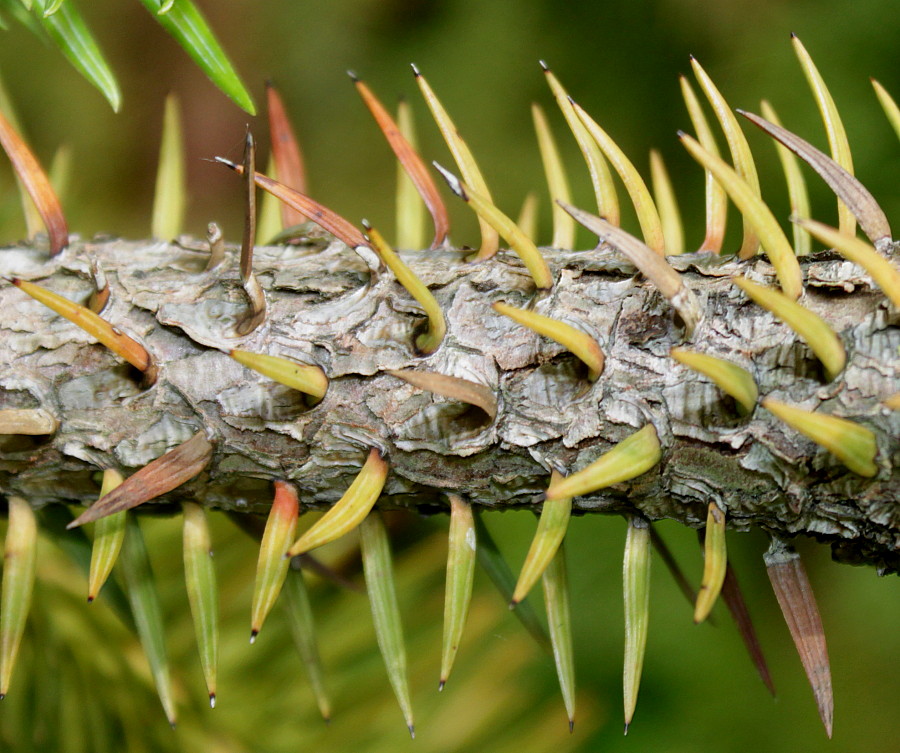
(253, 634)
(227, 162)
(173, 723)
(627, 724)
(543, 64)
(571, 726)
(91, 599)
(412, 731)
(441, 685)
(513, 604)
(212, 700)
(353, 77)
(415, 70)
(2, 696)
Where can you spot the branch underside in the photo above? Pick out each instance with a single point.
(326, 307)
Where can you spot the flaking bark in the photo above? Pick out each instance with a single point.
(330, 306)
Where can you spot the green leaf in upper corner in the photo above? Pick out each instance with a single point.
(16, 10)
(188, 27)
(69, 32)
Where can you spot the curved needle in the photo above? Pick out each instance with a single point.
(350, 510)
(580, 343)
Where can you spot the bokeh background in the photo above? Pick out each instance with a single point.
(82, 684)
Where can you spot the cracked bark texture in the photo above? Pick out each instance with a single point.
(332, 306)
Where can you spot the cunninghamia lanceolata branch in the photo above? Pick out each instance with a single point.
(327, 309)
(391, 423)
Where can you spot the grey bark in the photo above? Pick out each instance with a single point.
(327, 305)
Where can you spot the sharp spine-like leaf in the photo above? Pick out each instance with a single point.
(109, 533)
(19, 560)
(437, 326)
(547, 540)
(461, 554)
(465, 161)
(303, 630)
(854, 194)
(268, 219)
(156, 478)
(320, 214)
(667, 280)
(411, 162)
(667, 204)
(286, 154)
(647, 214)
(37, 185)
(100, 329)
(453, 387)
(527, 220)
(740, 155)
(889, 105)
(580, 343)
(834, 127)
(716, 198)
(170, 197)
(815, 331)
(350, 510)
(256, 314)
(633, 456)
(34, 222)
(796, 185)
(134, 565)
(882, 270)
(734, 600)
(798, 605)
(715, 557)
(601, 178)
(410, 210)
(757, 215)
(853, 444)
(272, 566)
(519, 242)
(555, 582)
(309, 379)
(376, 555)
(202, 591)
(557, 181)
(730, 378)
(636, 588)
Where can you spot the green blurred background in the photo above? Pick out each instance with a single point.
(80, 671)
